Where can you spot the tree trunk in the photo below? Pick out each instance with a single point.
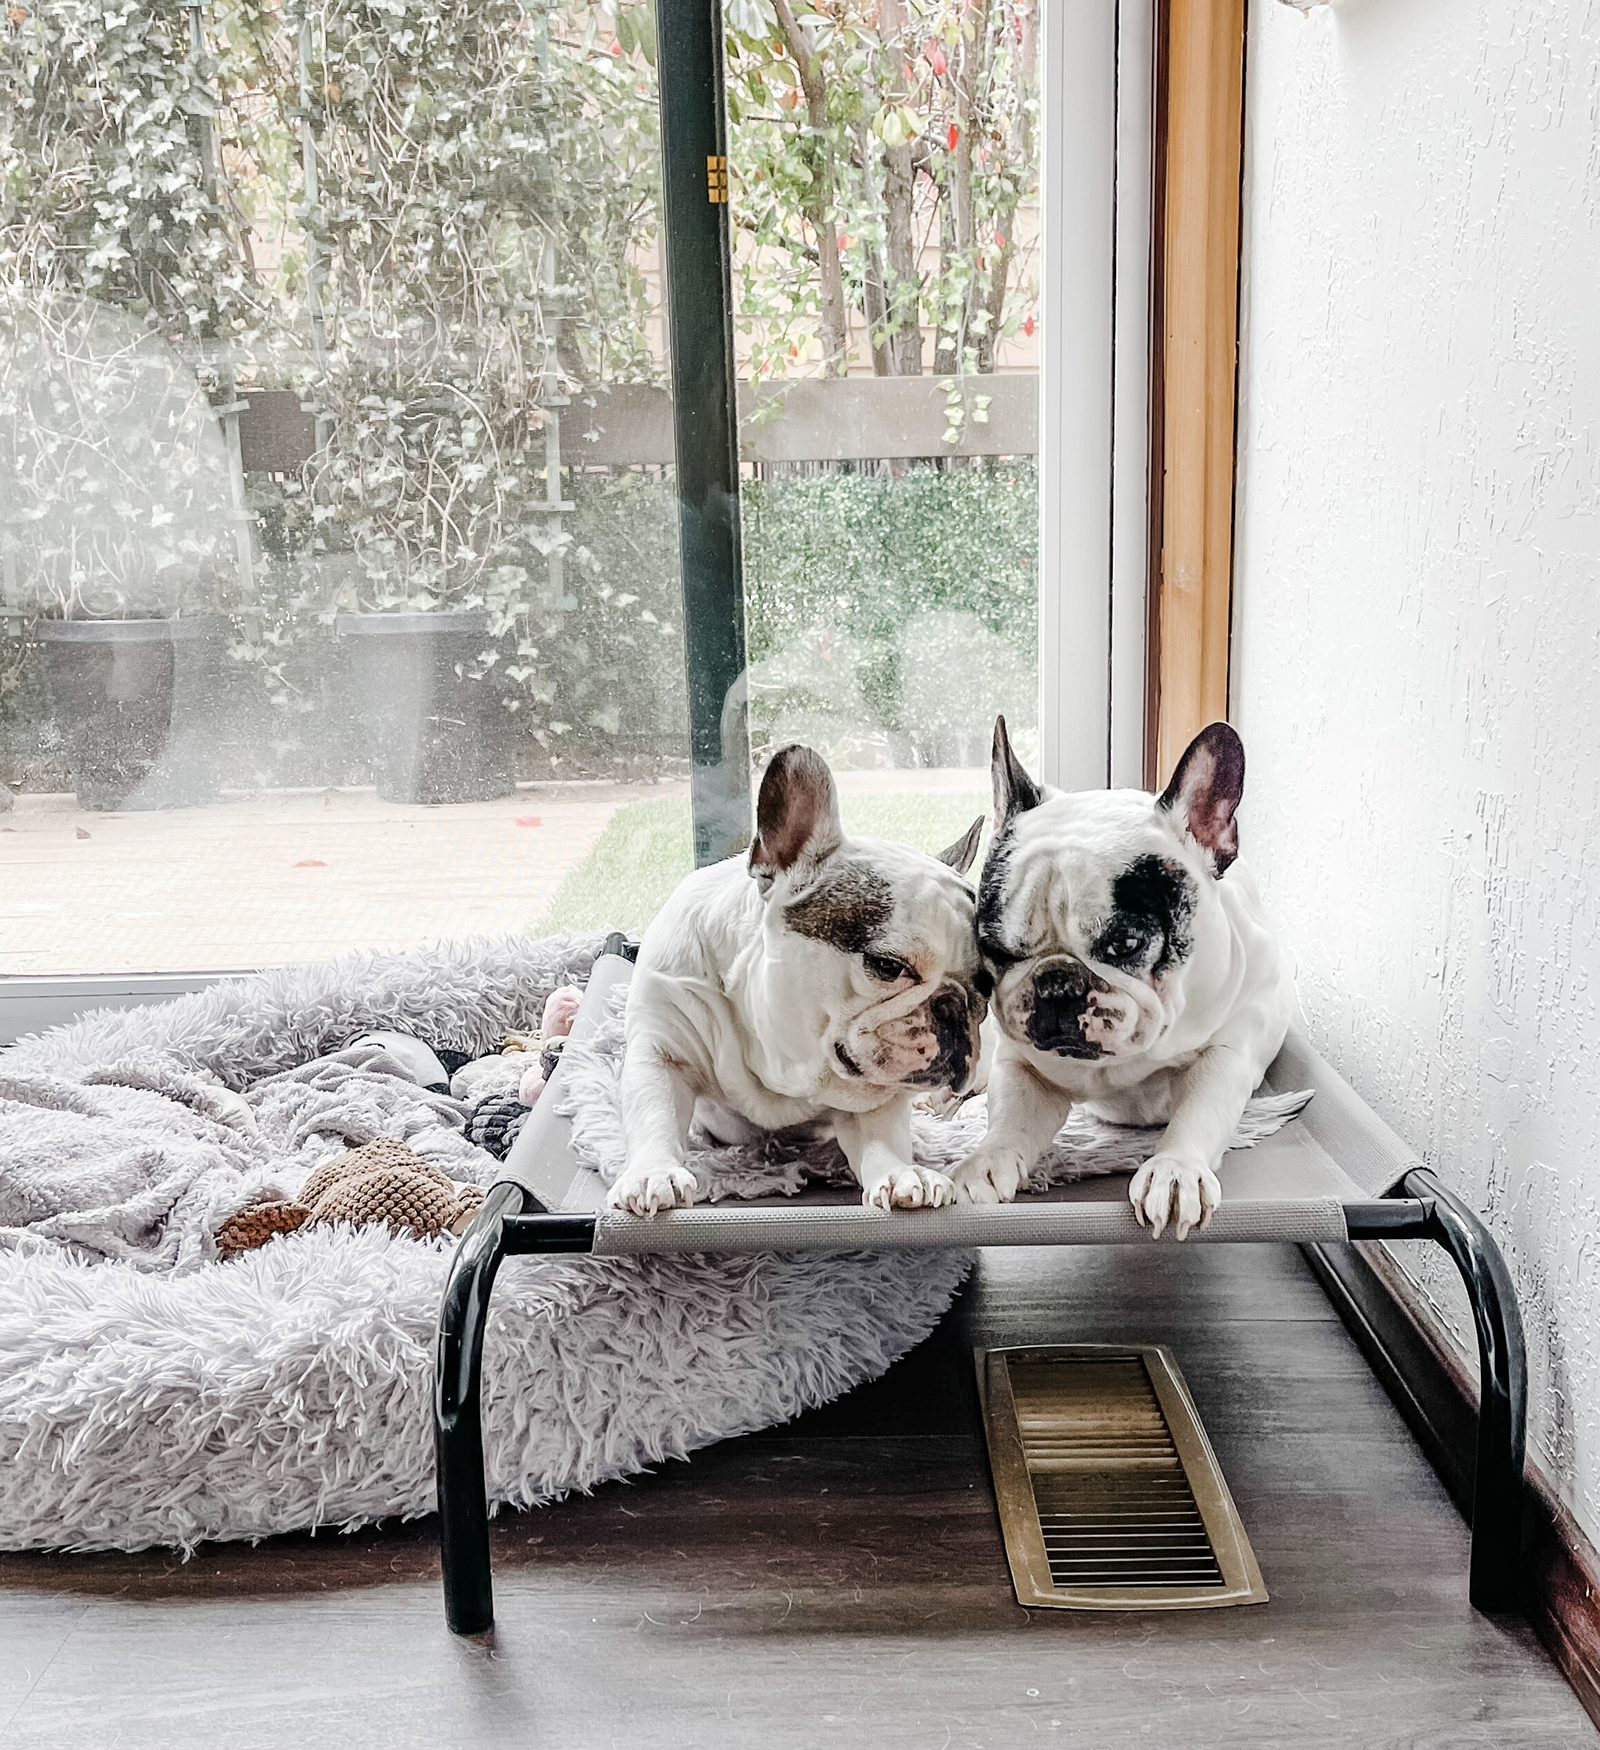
(1020, 151)
(874, 301)
(994, 303)
(818, 208)
(947, 346)
(903, 281)
(970, 55)
(875, 307)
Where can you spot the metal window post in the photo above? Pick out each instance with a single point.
(699, 261)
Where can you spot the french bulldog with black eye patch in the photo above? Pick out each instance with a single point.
(823, 982)
(1132, 971)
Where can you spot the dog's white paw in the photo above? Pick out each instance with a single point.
(909, 1188)
(1167, 1190)
(990, 1175)
(648, 1190)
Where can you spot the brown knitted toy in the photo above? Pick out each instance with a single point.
(382, 1181)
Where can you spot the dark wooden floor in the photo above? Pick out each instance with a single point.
(841, 1581)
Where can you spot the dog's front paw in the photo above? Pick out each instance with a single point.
(909, 1187)
(1169, 1190)
(648, 1190)
(990, 1175)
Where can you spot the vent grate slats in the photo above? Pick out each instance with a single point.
(1109, 1494)
(1095, 1442)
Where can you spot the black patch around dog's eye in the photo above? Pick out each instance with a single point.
(1155, 898)
(846, 909)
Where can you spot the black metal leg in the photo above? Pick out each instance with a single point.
(1496, 1580)
(457, 1427)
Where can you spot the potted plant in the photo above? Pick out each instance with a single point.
(117, 541)
(415, 511)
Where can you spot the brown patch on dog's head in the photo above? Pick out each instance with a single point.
(846, 908)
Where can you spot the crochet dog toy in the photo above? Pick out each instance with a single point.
(383, 1181)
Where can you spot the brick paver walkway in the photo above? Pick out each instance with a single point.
(280, 877)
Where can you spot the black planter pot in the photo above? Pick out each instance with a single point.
(434, 735)
(137, 701)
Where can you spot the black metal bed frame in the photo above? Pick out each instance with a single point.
(511, 1223)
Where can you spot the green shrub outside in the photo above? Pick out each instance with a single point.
(864, 552)
(891, 616)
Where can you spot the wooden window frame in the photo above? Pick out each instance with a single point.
(1197, 181)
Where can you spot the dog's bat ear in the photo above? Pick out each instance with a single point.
(1205, 791)
(960, 855)
(797, 814)
(1014, 790)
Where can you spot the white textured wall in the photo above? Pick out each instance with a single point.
(1417, 608)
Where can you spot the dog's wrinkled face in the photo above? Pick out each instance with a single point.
(1090, 903)
(877, 939)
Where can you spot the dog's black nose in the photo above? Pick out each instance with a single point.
(1063, 999)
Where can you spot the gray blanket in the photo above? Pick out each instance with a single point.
(142, 1161)
(133, 1135)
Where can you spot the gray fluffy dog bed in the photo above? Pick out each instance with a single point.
(152, 1395)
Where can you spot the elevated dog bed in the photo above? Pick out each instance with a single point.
(1334, 1173)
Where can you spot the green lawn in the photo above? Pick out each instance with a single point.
(647, 848)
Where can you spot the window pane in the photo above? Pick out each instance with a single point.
(339, 599)
(885, 192)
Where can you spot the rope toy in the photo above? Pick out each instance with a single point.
(380, 1182)
(494, 1123)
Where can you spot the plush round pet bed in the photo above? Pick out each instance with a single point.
(152, 1394)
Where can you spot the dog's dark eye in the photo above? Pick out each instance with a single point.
(1122, 947)
(885, 968)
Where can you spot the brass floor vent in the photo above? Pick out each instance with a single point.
(1110, 1495)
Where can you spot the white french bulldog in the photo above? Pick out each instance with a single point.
(824, 982)
(1132, 971)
